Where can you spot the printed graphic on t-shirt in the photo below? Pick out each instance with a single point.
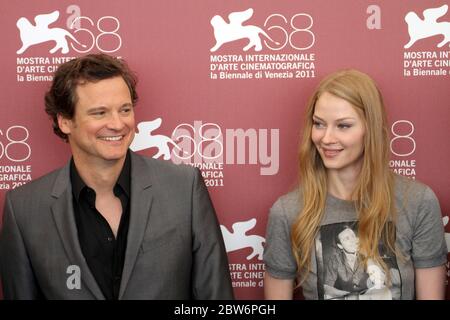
(340, 275)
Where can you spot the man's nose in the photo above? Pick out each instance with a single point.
(115, 121)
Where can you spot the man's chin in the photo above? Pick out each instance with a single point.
(114, 156)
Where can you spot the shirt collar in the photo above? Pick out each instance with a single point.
(124, 180)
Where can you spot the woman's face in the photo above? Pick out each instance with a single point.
(338, 134)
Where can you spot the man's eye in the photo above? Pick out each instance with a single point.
(98, 113)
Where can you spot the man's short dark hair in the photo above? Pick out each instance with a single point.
(61, 98)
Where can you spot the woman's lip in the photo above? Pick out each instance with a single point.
(331, 152)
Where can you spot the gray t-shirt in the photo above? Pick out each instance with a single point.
(335, 269)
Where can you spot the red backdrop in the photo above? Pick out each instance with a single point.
(236, 113)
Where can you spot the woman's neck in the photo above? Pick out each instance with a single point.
(341, 184)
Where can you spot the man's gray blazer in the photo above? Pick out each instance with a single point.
(174, 250)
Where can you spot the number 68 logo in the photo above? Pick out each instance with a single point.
(400, 137)
(298, 34)
(5, 150)
(95, 40)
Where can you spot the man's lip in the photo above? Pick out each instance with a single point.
(119, 136)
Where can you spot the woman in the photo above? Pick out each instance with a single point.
(350, 207)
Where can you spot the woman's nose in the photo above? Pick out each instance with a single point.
(328, 137)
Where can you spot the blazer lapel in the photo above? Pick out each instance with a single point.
(63, 214)
(140, 204)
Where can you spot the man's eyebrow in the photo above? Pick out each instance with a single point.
(99, 108)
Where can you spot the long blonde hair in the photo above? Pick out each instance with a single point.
(374, 192)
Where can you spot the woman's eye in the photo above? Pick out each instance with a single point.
(317, 124)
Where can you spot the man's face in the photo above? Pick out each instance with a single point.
(103, 125)
(348, 241)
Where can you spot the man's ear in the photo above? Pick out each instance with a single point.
(65, 125)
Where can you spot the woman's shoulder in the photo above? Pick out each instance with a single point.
(287, 205)
(415, 199)
(410, 190)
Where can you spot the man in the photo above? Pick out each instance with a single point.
(345, 276)
(111, 224)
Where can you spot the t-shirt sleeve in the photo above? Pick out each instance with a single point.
(278, 257)
(428, 242)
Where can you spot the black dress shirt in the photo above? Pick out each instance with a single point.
(105, 254)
